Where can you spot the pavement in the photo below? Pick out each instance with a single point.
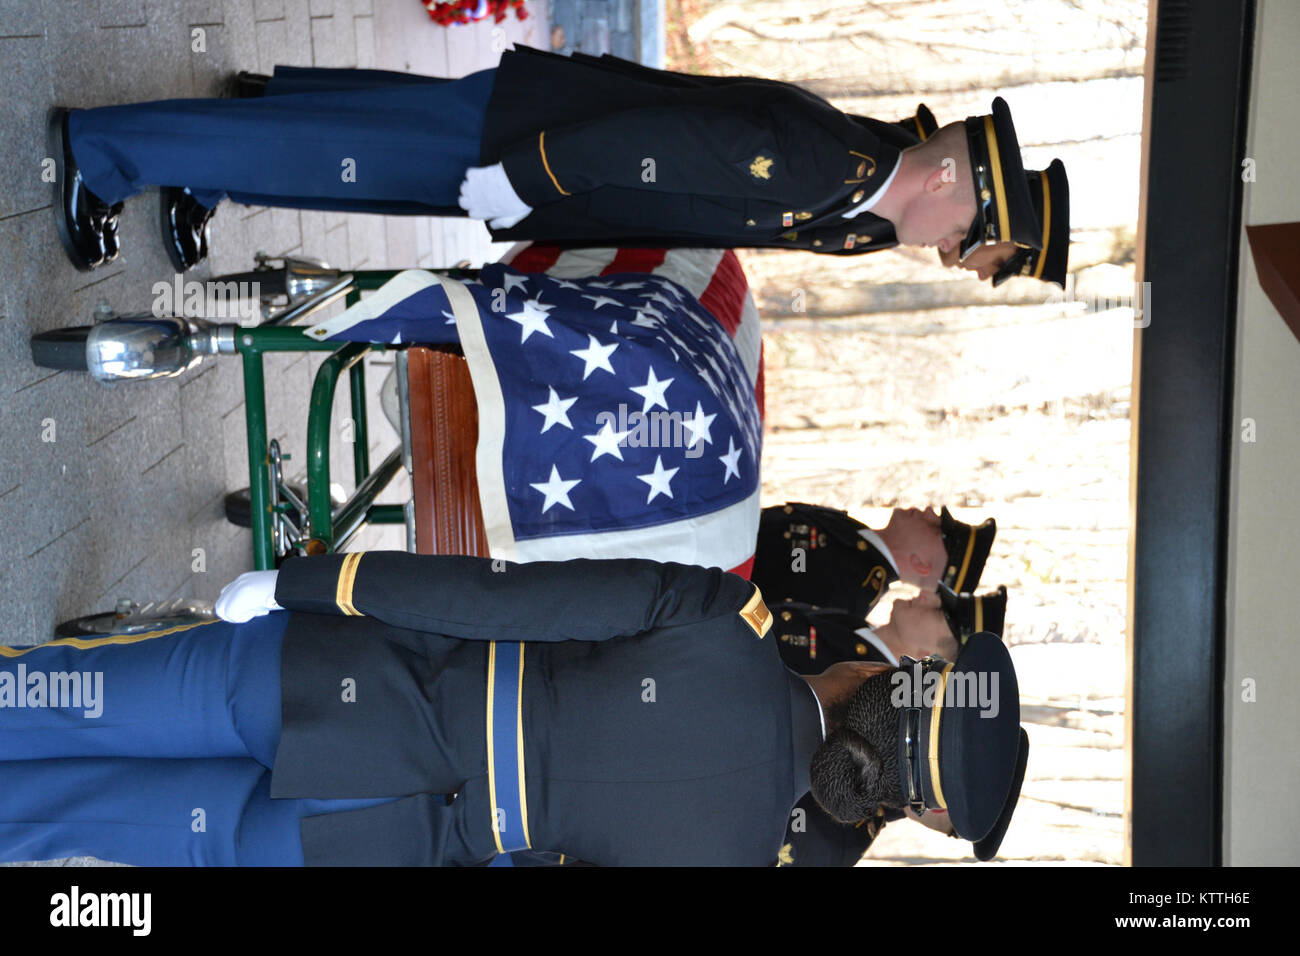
(117, 491)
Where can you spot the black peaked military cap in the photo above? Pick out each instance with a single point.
(1050, 191)
(968, 547)
(987, 848)
(1004, 211)
(922, 125)
(969, 614)
(959, 735)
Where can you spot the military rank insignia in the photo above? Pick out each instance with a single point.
(756, 614)
(761, 167)
(875, 581)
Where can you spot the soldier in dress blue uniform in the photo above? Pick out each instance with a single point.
(848, 237)
(389, 708)
(853, 236)
(813, 838)
(814, 638)
(610, 150)
(926, 776)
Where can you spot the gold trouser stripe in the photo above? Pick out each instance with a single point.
(960, 584)
(936, 712)
(86, 643)
(347, 580)
(541, 145)
(979, 614)
(999, 186)
(491, 761)
(519, 737)
(1047, 226)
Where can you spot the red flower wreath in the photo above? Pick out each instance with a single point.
(468, 11)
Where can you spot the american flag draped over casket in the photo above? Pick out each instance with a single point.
(618, 393)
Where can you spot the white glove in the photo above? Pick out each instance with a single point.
(248, 596)
(487, 194)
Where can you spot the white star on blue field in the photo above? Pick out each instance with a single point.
(687, 438)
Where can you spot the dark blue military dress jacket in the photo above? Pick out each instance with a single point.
(659, 725)
(605, 149)
(827, 233)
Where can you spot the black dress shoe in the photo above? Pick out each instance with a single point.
(111, 246)
(186, 227)
(79, 215)
(244, 85)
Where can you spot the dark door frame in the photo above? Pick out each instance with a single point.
(1202, 61)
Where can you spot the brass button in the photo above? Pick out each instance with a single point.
(788, 509)
(817, 242)
(786, 535)
(862, 168)
(857, 196)
(785, 615)
(861, 649)
(749, 222)
(862, 545)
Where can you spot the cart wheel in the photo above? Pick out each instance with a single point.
(239, 507)
(62, 348)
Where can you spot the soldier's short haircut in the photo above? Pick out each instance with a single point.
(855, 769)
(947, 145)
